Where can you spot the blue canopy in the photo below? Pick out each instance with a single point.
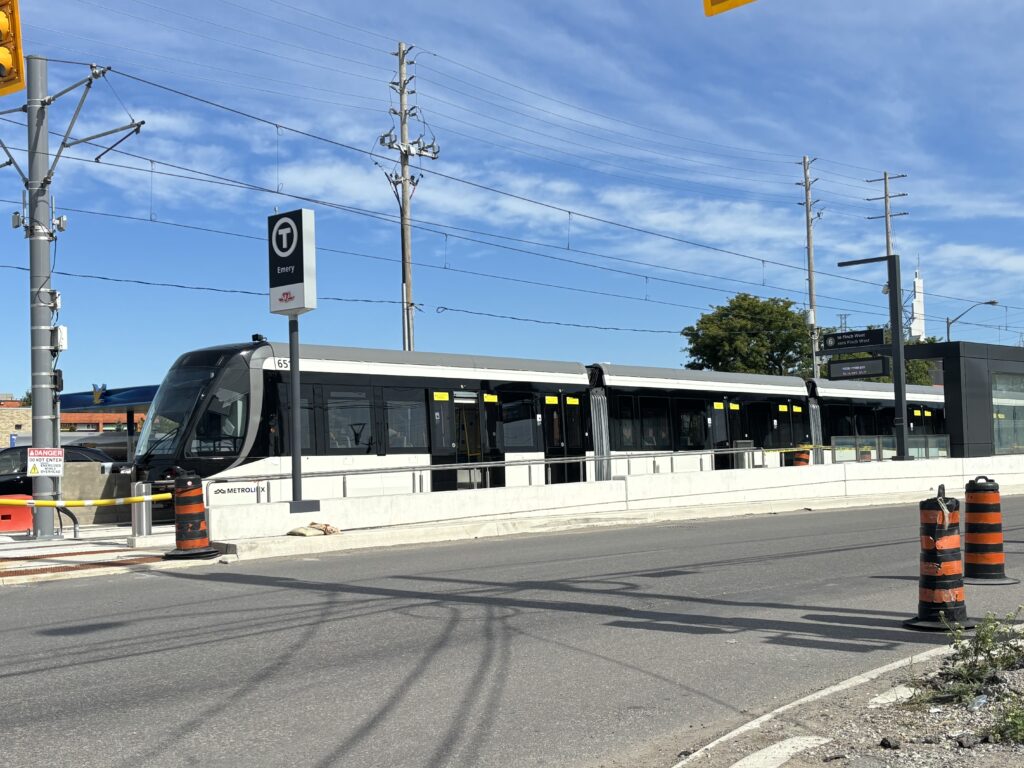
(103, 400)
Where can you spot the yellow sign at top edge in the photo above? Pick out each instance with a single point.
(712, 7)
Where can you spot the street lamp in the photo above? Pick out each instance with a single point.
(990, 302)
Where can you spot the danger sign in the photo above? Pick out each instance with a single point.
(46, 462)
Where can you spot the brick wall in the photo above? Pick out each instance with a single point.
(10, 419)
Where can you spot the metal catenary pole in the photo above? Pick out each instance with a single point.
(39, 229)
(40, 298)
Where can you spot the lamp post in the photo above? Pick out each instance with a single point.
(949, 323)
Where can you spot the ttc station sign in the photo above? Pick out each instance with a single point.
(291, 238)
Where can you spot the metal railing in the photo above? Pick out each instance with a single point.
(881, 447)
(481, 476)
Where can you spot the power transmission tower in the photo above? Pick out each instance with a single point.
(842, 322)
(40, 229)
(402, 180)
(808, 205)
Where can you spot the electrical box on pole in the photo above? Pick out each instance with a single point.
(12, 62)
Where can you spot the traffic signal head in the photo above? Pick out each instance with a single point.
(12, 63)
(712, 7)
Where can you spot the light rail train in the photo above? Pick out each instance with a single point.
(224, 411)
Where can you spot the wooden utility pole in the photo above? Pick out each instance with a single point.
(812, 319)
(403, 180)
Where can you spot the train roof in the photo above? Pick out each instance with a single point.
(685, 379)
(872, 390)
(433, 364)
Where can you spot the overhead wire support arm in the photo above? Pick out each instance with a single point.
(67, 142)
(12, 161)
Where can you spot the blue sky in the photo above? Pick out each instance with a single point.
(587, 148)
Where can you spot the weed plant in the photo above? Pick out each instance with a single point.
(977, 658)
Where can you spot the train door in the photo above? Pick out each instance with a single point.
(726, 429)
(468, 440)
(464, 430)
(563, 438)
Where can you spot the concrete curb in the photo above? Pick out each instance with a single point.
(163, 565)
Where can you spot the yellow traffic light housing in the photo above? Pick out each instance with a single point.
(712, 7)
(12, 63)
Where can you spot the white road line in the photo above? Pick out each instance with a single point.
(845, 685)
(778, 754)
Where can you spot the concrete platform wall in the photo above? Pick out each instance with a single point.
(639, 498)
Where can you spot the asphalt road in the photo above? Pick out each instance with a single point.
(612, 647)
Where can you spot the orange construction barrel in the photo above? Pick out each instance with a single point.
(801, 458)
(984, 559)
(16, 519)
(191, 536)
(941, 581)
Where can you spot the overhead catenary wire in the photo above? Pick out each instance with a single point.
(445, 268)
(429, 227)
(439, 174)
(262, 294)
(192, 75)
(245, 185)
(213, 178)
(425, 226)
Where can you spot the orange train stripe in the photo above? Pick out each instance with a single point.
(985, 518)
(984, 538)
(949, 568)
(945, 542)
(941, 595)
(983, 497)
(985, 558)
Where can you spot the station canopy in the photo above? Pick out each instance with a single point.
(103, 400)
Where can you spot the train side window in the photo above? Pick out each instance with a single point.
(349, 417)
(405, 418)
(308, 427)
(690, 422)
(623, 424)
(518, 418)
(654, 423)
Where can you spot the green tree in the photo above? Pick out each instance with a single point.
(26, 399)
(751, 335)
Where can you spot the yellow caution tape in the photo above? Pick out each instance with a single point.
(84, 502)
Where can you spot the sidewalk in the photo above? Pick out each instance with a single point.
(100, 550)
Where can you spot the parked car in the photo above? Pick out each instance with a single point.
(14, 478)
(114, 444)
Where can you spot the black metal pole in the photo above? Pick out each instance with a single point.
(293, 352)
(899, 377)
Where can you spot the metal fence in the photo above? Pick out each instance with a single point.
(478, 473)
(882, 447)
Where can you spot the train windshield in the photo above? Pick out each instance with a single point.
(177, 398)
